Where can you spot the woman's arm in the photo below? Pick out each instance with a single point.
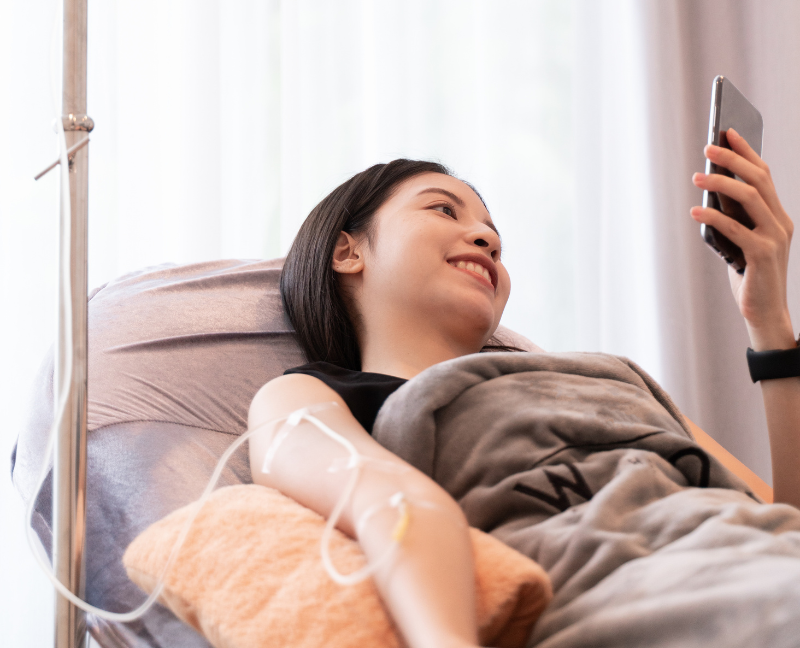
(429, 587)
(761, 292)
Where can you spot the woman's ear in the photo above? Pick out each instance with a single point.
(347, 255)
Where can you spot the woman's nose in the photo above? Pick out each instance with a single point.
(489, 240)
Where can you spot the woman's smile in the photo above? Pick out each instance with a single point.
(478, 269)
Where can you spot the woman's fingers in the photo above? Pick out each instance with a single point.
(755, 173)
(750, 198)
(740, 158)
(752, 173)
(757, 249)
(743, 148)
(725, 225)
(745, 163)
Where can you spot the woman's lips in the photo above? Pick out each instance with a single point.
(475, 270)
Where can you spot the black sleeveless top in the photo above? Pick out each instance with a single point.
(362, 391)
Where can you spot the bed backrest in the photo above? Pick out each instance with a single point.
(176, 354)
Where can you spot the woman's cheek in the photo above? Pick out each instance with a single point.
(503, 284)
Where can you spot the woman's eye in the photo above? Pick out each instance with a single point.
(445, 210)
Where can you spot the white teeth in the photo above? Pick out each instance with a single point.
(472, 267)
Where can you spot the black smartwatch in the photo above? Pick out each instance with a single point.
(779, 363)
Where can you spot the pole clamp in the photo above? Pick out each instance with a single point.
(77, 123)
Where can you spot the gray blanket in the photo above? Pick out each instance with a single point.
(583, 463)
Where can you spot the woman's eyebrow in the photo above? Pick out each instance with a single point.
(445, 192)
(457, 201)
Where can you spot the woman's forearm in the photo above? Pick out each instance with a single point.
(782, 405)
(429, 586)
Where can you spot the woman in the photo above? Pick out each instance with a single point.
(400, 268)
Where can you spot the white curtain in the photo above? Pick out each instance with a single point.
(647, 285)
(221, 124)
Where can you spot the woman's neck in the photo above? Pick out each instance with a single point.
(404, 351)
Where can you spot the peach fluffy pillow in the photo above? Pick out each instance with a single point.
(249, 574)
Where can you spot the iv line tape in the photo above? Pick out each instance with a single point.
(400, 502)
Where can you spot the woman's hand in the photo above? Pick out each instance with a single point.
(761, 292)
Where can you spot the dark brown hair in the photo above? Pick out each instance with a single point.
(310, 291)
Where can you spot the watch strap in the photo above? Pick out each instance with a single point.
(768, 365)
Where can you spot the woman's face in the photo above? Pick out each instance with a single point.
(435, 258)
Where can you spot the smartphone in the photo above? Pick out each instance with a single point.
(729, 109)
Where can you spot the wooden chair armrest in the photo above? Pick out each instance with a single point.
(708, 444)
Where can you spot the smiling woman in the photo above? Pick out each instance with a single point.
(396, 270)
(413, 306)
(394, 285)
(405, 225)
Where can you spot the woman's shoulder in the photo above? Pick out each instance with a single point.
(288, 393)
(362, 392)
(288, 384)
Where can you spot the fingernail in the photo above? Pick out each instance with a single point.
(735, 134)
(697, 177)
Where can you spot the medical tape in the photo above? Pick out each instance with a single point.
(397, 501)
(403, 505)
(292, 421)
(400, 502)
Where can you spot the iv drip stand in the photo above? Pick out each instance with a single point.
(69, 459)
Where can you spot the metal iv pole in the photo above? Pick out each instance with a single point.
(69, 460)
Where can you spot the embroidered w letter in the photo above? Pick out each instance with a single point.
(559, 483)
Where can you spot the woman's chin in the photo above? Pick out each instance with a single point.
(469, 321)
